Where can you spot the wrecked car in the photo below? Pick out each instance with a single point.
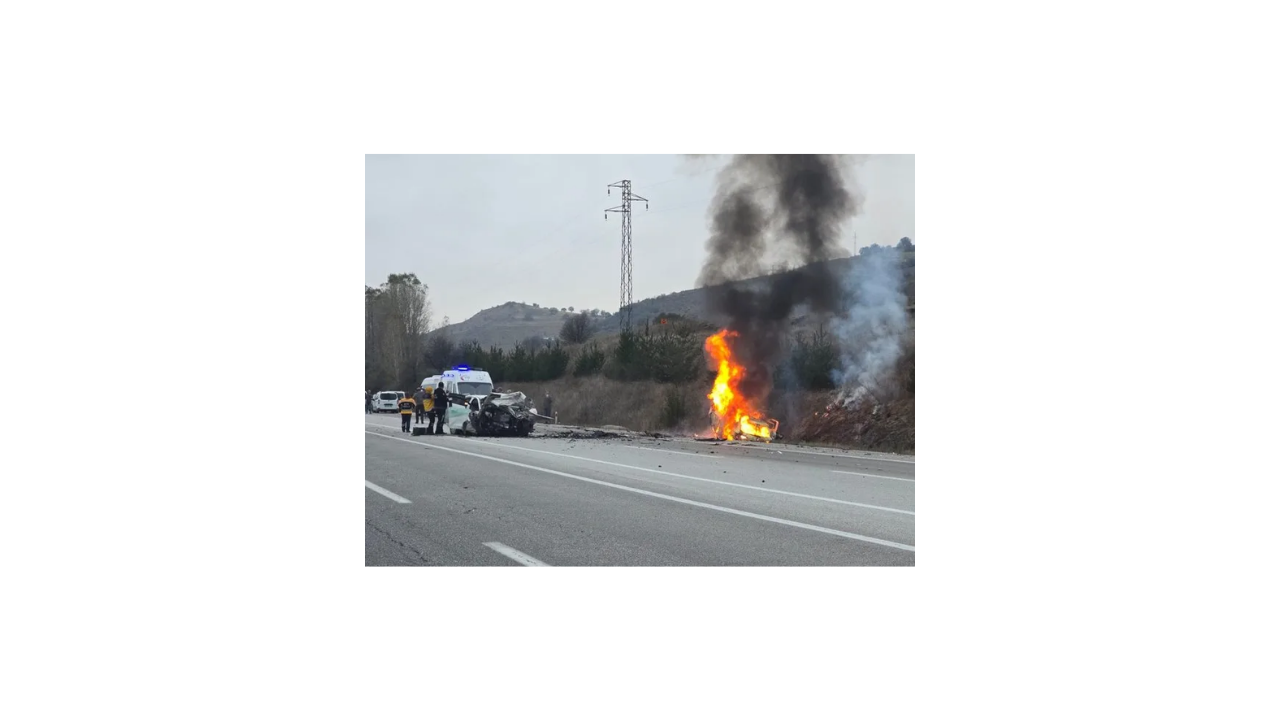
(499, 415)
(747, 428)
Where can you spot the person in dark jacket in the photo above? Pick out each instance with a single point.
(419, 400)
(368, 403)
(440, 406)
(406, 413)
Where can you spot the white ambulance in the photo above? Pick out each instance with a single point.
(462, 380)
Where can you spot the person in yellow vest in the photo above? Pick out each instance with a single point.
(406, 413)
(427, 405)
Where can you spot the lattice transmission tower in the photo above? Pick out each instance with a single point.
(624, 292)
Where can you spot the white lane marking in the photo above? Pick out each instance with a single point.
(747, 445)
(516, 555)
(718, 482)
(396, 426)
(676, 452)
(721, 457)
(680, 475)
(695, 503)
(388, 493)
(783, 449)
(886, 477)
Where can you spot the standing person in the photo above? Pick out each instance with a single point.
(419, 398)
(546, 403)
(427, 406)
(368, 403)
(406, 413)
(440, 403)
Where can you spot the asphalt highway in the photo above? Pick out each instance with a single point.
(459, 501)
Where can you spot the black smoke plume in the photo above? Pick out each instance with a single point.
(771, 208)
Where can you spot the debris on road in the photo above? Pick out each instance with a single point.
(579, 432)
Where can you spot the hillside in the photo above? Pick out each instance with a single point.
(660, 382)
(508, 324)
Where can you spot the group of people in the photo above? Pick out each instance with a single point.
(431, 405)
(426, 404)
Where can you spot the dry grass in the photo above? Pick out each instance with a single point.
(598, 401)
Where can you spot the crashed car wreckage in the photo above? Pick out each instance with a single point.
(747, 428)
(498, 414)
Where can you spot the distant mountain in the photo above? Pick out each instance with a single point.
(508, 324)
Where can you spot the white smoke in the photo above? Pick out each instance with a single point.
(871, 332)
(852, 399)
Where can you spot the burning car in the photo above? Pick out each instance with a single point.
(747, 428)
(757, 428)
(733, 415)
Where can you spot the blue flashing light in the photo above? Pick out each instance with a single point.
(461, 368)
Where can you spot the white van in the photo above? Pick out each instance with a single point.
(387, 400)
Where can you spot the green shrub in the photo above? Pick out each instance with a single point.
(674, 408)
(590, 362)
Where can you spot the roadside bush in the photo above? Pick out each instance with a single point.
(590, 362)
(674, 408)
(672, 357)
(551, 363)
(627, 362)
(814, 360)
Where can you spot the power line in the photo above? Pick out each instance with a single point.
(577, 217)
(624, 292)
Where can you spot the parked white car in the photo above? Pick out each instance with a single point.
(387, 401)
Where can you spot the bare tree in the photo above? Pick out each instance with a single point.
(397, 315)
(373, 375)
(576, 329)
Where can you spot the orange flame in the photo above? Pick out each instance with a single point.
(735, 413)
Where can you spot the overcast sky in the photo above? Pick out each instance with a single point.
(484, 229)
